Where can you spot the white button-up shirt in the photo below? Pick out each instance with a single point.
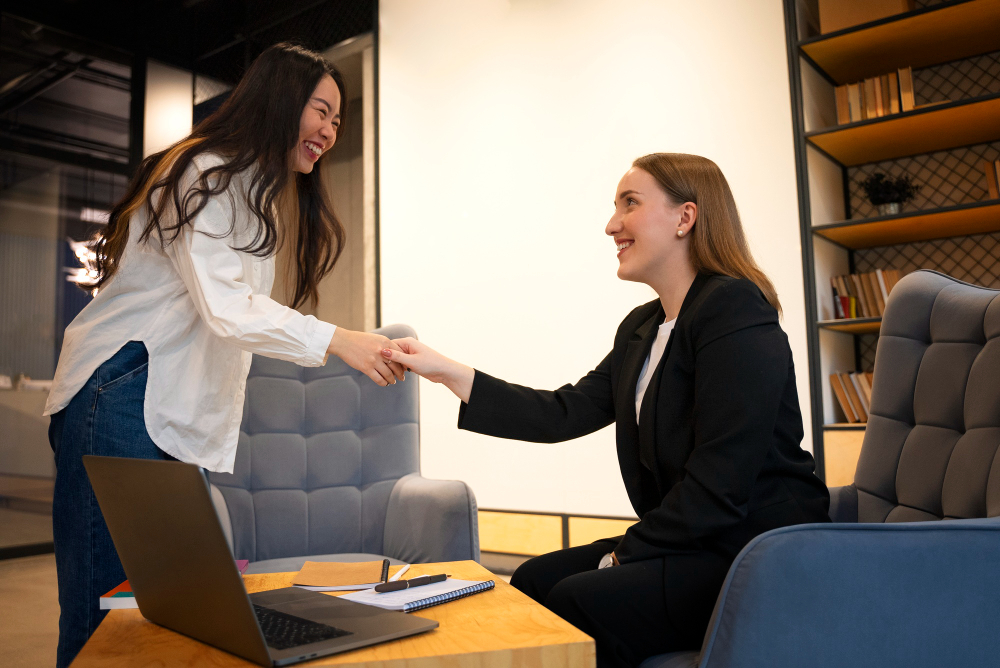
(201, 308)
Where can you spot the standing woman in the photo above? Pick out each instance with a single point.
(701, 386)
(155, 367)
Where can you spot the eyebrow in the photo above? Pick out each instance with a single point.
(623, 195)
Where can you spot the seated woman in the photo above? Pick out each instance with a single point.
(701, 386)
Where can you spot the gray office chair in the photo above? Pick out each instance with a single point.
(328, 468)
(889, 584)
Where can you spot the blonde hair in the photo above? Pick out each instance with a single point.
(718, 244)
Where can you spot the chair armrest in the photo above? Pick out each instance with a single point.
(431, 520)
(819, 595)
(844, 504)
(222, 510)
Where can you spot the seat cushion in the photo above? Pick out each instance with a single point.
(294, 564)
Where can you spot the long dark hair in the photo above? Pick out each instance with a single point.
(255, 130)
(718, 244)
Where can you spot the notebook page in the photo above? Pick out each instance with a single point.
(397, 600)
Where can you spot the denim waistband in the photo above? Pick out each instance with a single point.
(129, 357)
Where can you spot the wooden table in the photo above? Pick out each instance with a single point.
(493, 629)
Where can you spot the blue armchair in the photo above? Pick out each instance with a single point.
(889, 584)
(328, 468)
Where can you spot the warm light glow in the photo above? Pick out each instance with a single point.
(169, 107)
(87, 256)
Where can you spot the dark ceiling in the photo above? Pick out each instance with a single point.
(217, 38)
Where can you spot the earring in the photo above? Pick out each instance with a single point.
(680, 233)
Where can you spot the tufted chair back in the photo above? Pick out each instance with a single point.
(934, 430)
(319, 453)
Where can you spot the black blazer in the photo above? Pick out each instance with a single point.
(715, 459)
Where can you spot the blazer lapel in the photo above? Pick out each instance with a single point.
(647, 412)
(636, 352)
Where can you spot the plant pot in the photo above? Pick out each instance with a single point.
(889, 208)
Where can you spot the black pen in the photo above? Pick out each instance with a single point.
(412, 582)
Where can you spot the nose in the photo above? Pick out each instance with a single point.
(614, 225)
(328, 133)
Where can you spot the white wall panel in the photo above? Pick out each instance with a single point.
(504, 129)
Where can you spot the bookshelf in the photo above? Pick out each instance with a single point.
(953, 48)
(919, 131)
(960, 220)
(923, 37)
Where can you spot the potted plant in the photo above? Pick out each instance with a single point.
(889, 194)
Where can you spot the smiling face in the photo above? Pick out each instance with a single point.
(645, 228)
(318, 125)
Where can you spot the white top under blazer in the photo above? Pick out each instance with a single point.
(652, 361)
(201, 308)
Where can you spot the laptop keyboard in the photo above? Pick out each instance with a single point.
(284, 631)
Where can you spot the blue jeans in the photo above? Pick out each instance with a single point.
(104, 418)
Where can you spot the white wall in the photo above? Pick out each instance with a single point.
(504, 129)
(169, 107)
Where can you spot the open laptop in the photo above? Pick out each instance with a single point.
(183, 575)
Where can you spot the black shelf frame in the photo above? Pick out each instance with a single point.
(805, 235)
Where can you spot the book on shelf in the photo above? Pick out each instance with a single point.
(854, 102)
(893, 79)
(871, 108)
(881, 97)
(875, 97)
(840, 392)
(906, 100)
(843, 105)
(862, 295)
(859, 293)
(853, 393)
(992, 170)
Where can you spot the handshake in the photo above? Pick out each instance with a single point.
(385, 361)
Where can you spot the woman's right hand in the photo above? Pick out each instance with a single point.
(363, 351)
(432, 365)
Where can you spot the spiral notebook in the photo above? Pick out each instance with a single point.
(419, 598)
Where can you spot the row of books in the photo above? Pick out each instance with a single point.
(875, 97)
(992, 170)
(854, 394)
(863, 295)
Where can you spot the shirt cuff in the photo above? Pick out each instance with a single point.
(319, 344)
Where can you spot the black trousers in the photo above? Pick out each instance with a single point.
(622, 608)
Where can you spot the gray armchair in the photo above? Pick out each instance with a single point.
(889, 584)
(328, 468)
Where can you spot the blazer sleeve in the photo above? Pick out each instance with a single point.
(505, 410)
(739, 379)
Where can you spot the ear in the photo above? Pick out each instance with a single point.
(688, 217)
